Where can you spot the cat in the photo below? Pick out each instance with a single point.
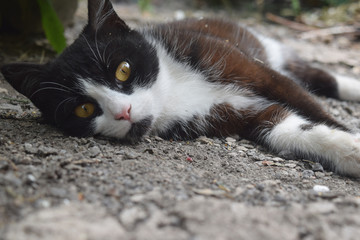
(189, 78)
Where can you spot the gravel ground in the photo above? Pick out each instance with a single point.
(57, 187)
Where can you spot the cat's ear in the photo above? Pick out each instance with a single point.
(102, 14)
(23, 77)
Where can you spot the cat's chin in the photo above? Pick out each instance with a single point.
(139, 129)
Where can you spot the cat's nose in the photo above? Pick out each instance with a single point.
(124, 114)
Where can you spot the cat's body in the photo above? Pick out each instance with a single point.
(190, 78)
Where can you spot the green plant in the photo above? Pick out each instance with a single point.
(296, 7)
(52, 26)
(144, 5)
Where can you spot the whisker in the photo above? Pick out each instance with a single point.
(96, 60)
(97, 46)
(49, 88)
(104, 54)
(61, 85)
(108, 58)
(59, 105)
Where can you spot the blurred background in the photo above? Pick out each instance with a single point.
(62, 20)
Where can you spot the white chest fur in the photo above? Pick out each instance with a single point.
(185, 93)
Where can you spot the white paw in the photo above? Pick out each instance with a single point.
(349, 160)
(349, 88)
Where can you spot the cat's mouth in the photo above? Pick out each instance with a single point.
(139, 129)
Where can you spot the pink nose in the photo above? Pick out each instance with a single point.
(124, 115)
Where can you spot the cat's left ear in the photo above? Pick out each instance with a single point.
(102, 14)
(23, 77)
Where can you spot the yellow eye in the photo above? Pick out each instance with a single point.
(85, 110)
(123, 71)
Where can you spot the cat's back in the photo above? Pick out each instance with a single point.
(194, 35)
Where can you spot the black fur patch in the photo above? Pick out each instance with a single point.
(307, 127)
(138, 129)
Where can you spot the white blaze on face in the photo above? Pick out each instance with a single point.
(112, 103)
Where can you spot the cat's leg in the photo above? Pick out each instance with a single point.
(316, 80)
(282, 129)
(322, 82)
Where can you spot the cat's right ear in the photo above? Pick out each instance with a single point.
(101, 14)
(23, 77)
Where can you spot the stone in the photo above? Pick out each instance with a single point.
(319, 174)
(30, 149)
(159, 139)
(70, 221)
(308, 174)
(11, 107)
(317, 167)
(321, 188)
(94, 151)
(242, 148)
(230, 140)
(46, 151)
(3, 90)
(205, 140)
(232, 154)
(131, 155)
(290, 165)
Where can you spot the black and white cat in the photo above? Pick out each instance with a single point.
(189, 78)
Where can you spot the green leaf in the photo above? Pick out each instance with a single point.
(52, 26)
(144, 5)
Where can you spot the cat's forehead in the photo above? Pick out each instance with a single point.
(91, 50)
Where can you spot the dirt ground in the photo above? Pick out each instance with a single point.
(57, 187)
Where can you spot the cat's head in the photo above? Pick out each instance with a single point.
(98, 84)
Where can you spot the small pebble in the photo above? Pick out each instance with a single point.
(277, 159)
(3, 90)
(317, 167)
(131, 155)
(205, 140)
(232, 154)
(47, 151)
(321, 188)
(319, 174)
(6, 106)
(241, 148)
(31, 178)
(157, 138)
(335, 112)
(308, 174)
(30, 149)
(290, 165)
(94, 151)
(230, 140)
